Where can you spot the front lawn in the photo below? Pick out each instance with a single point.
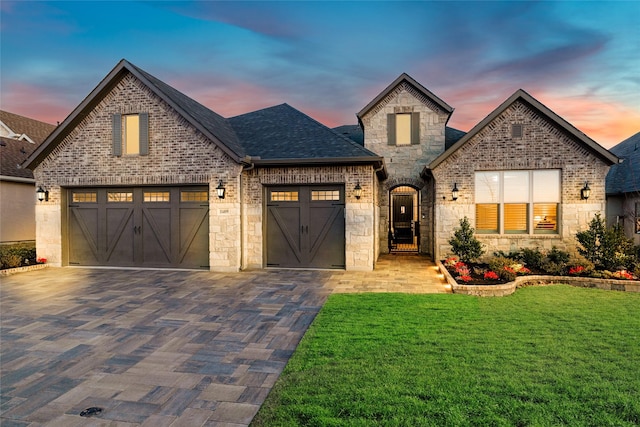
(545, 356)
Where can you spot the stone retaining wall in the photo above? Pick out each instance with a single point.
(524, 281)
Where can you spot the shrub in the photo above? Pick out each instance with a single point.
(532, 258)
(464, 244)
(14, 255)
(607, 248)
(514, 255)
(503, 268)
(556, 262)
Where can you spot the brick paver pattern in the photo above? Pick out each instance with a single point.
(164, 348)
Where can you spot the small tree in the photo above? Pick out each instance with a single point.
(464, 243)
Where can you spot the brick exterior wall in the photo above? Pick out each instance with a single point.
(543, 146)
(405, 163)
(178, 154)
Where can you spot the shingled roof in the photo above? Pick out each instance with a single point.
(625, 177)
(14, 150)
(276, 135)
(284, 135)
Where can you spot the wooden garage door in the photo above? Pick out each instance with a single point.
(139, 227)
(305, 227)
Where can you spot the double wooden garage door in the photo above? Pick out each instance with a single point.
(306, 227)
(139, 227)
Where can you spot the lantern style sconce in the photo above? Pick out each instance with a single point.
(454, 192)
(220, 189)
(42, 194)
(586, 191)
(357, 191)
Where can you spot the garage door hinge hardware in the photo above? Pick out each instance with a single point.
(137, 229)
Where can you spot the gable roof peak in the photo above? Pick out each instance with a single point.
(604, 154)
(404, 77)
(212, 125)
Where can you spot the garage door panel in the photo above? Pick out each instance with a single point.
(83, 231)
(327, 238)
(283, 240)
(194, 236)
(119, 238)
(156, 242)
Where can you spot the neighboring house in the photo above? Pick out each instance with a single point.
(623, 188)
(141, 175)
(19, 137)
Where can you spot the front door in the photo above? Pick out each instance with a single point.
(403, 218)
(305, 227)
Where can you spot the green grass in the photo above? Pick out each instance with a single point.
(544, 356)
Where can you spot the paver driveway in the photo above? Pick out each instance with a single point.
(151, 348)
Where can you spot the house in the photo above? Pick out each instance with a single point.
(524, 176)
(623, 188)
(140, 175)
(19, 137)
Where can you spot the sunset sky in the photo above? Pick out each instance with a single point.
(330, 59)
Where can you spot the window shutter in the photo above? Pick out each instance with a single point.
(415, 128)
(391, 129)
(144, 133)
(116, 135)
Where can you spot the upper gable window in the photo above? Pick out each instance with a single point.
(403, 128)
(131, 134)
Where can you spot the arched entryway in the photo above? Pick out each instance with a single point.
(404, 226)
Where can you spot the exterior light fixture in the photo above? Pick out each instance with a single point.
(586, 191)
(42, 194)
(358, 191)
(454, 192)
(220, 189)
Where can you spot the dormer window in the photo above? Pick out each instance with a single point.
(403, 128)
(131, 134)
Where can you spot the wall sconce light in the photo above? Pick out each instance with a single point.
(586, 191)
(220, 189)
(42, 194)
(454, 192)
(358, 191)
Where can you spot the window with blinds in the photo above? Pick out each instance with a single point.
(517, 202)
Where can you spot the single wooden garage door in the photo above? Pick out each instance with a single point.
(139, 227)
(305, 227)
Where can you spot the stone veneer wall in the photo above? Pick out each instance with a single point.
(405, 163)
(359, 216)
(178, 155)
(543, 146)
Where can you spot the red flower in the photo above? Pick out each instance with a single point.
(490, 275)
(524, 270)
(465, 278)
(41, 260)
(576, 270)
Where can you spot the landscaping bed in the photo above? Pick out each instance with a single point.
(16, 255)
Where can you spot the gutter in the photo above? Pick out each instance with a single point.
(17, 179)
